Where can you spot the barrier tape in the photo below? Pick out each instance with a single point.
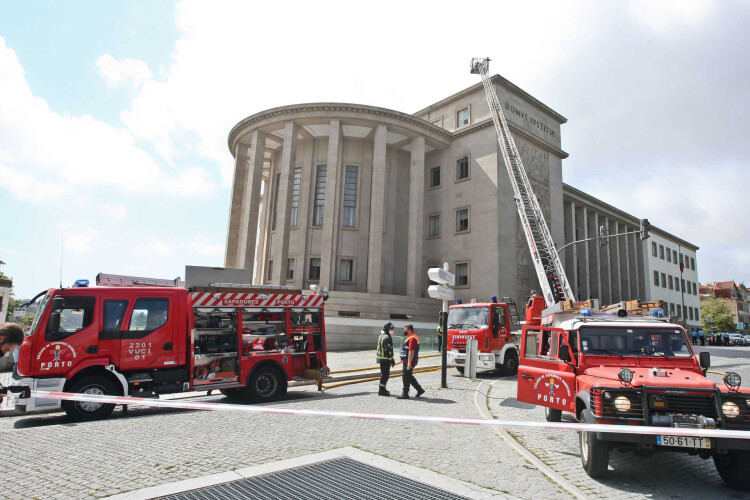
(619, 429)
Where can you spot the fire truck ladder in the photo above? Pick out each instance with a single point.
(103, 279)
(549, 270)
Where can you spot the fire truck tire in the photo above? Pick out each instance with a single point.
(552, 414)
(510, 363)
(231, 393)
(594, 452)
(267, 383)
(80, 411)
(460, 369)
(734, 469)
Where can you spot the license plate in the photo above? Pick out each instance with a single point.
(683, 442)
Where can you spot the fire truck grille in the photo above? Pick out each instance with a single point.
(692, 405)
(341, 478)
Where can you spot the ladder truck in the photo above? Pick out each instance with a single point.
(618, 364)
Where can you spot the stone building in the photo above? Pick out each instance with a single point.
(363, 200)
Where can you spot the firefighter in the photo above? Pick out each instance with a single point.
(409, 357)
(385, 357)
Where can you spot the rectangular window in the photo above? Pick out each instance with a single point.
(663, 280)
(114, 312)
(462, 274)
(677, 283)
(683, 285)
(434, 177)
(462, 220)
(669, 255)
(269, 271)
(345, 269)
(695, 289)
(462, 117)
(462, 168)
(671, 309)
(679, 311)
(697, 314)
(295, 197)
(661, 252)
(320, 195)
(290, 269)
(692, 264)
(275, 201)
(653, 248)
(674, 256)
(350, 196)
(149, 314)
(433, 227)
(690, 313)
(438, 122)
(314, 274)
(656, 278)
(680, 259)
(669, 279)
(77, 314)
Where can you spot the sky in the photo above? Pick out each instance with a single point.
(114, 115)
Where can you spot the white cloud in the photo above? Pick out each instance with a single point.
(126, 71)
(667, 15)
(114, 211)
(202, 247)
(78, 239)
(154, 248)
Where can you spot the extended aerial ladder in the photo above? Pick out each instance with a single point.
(549, 270)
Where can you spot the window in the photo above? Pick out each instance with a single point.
(656, 278)
(77, 314)
(669, 255)
(679, 310)
(290, 269)
(462, 117)
(692, 263)
(345, 269)
(438, 122)
(295, 196)
(462, 220)
(677, 283)
(661, 252)
(433, 226)
(663, 280)
(690, 312)
(114, 312)
(697, 314)
(462, 274)
(269, 271)
(683, 284)
(275, 201)
(320, 195)
(314, 274)
(462, 168)
(350, 196)
(674, 256)
(681, 258)
(434, 177)
(671, 309)
(653, 248)
(695, 288)
(149, 314)
(670, 286)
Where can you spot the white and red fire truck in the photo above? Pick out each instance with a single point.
(146, 337)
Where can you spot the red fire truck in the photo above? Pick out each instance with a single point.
(144, 340)
(626, 364)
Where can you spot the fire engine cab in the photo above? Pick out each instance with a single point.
(625, 364)
(144, 337)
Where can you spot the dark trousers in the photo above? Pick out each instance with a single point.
(409, 379)
(385, 372)
(703, 340)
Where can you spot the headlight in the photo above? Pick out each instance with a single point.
(732, 379)
(625, 375)
(730, 409)
(623, 404)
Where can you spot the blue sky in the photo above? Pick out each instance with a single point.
(114, 115)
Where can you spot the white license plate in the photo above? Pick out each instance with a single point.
(683, 442)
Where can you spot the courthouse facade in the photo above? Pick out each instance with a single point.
(363, 200)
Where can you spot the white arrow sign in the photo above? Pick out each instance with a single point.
(441, 276)
(440, 292)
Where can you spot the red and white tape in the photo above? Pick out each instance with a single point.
(197, 405)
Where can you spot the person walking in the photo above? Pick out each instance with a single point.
(410, 357)
(694, 334)
(385, 357)
(440, 337)
(702, 336)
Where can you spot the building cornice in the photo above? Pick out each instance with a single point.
(283, 112)
(517, 131)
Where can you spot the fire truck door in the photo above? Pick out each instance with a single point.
(543, 378)
(148, 341)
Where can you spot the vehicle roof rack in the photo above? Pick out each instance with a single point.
(103, 279)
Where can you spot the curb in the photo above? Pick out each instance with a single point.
(482, 389)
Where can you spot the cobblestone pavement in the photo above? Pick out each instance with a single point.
(46, 457)
(661, 476)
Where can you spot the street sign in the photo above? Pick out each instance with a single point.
(441, 276)
(440, 292)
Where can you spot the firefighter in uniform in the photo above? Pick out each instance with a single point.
(409, 357)
(385, 357)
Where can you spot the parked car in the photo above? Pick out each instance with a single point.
(736, 339)
(747, 339)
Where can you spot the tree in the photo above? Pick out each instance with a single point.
(721, 317)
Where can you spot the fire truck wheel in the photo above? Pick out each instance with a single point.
(594, 452)
(231, 393)
(80, 411)
(510, 363)
(552, 415)
(460, 369)
(734, 469)
(266, 384)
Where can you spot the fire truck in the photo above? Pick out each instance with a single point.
(619, 364)
(146, 337)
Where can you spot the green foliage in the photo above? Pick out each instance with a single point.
(721, 316)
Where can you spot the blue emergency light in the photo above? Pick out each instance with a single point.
(458, 300)
(493, 299)
(585, 312)
(81, 283)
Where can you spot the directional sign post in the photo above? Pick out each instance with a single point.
(444, 292)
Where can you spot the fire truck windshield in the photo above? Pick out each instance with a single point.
(468, 318)
(38, 315)
(634, 341)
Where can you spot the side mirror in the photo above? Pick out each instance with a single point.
(705, 360)
(53, 325)
(57, 303)
(564, 353)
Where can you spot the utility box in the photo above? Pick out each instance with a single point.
(208, 276)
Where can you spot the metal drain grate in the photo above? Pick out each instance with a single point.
(341, 478)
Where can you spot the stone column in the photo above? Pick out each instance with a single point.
(263, 237)
(414, 267)
(251, 205)
(331, 210)
(582, 255)
(571, 270)
(235, 207)
(280, 243)
(377, 211)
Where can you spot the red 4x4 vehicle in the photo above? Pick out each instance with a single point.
(621, 369)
